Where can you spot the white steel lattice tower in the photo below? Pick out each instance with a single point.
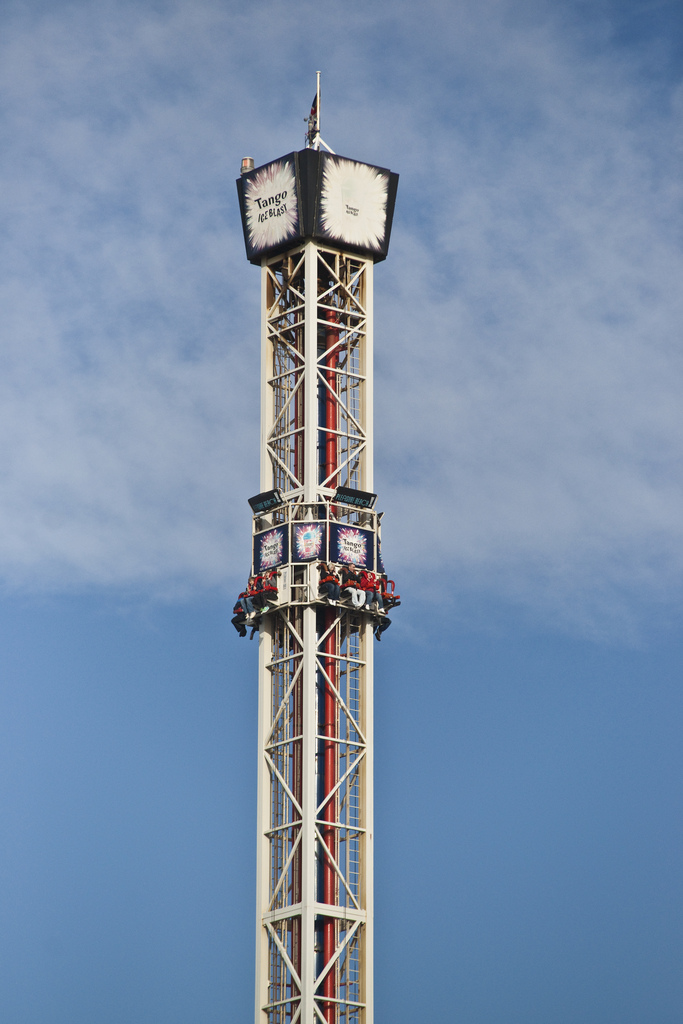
(316, 224)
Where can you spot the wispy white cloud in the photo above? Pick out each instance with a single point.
(528, 317)
(126, 368)
(548, 342)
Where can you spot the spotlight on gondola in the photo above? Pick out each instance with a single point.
(352, 496)
(265, 501)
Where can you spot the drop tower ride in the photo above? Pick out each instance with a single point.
(316, 223)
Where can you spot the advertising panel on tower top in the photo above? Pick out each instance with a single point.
(319, 196)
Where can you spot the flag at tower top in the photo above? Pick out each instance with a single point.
(313, 123)
(313, 139)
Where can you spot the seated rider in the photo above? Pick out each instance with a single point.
(350, 583)
(259, 595)
(239, 617)
(381, 624)
(245, 598)
(371, 585)
(391, 600)
(244, 611)
(329, 583)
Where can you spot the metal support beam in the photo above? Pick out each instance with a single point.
(315, 825)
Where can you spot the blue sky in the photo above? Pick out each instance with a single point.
(528, 439)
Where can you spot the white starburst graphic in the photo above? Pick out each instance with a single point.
(271, 551)
(271, 205)
(352, 546)
(354, 203)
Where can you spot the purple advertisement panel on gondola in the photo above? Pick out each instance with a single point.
(352, 546)
(270, 549)
(308, 542)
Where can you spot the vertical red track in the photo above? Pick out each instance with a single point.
(299, 417)
(331, 362)
(329, 812)
(298, 793)
(330, 662)
(297, 766)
